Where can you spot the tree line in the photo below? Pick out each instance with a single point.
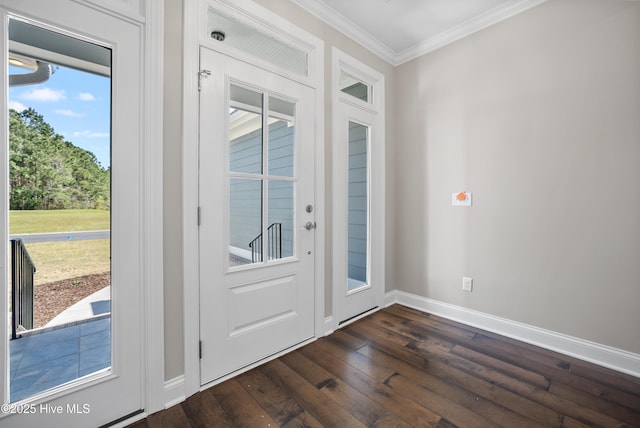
(46, 172)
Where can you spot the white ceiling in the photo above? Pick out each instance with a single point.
(400, 30)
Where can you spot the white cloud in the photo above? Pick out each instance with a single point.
(86, 96)
(91, 134)
(69, 113)
(44, 95)
(17, 106)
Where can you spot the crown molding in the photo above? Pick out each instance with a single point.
(352, 30)
(347, 27)
(467, 28)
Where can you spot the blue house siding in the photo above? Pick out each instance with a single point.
(245, 155)
(357, 203)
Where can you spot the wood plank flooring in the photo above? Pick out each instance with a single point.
(403, 368)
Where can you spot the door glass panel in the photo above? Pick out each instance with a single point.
(280, 230)
(358, 206)
(245, 131)
(60, 209)
(281, 137)
(245, 237)
(261, 224)
(356, 88)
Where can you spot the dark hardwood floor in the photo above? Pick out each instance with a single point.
(403, 368)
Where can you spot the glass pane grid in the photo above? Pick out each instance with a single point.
(261, 178)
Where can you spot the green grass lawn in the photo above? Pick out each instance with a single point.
(66, 259)
(69, 259)
(57, 221)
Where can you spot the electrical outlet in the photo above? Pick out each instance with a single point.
(467, 284)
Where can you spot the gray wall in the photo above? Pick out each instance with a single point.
(539, 117)
(173, 284)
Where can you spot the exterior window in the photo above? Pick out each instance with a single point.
(358, 206)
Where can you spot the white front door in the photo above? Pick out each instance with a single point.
(256, 198)
(87, 371)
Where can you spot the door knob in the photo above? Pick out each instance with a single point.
(310, 225)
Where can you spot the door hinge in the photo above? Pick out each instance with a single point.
(202, 74)
(198, 216)
(200, 349)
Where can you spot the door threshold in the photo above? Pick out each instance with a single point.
(358, 316)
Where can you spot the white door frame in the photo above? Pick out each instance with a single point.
(195, 35)
(372, 114)
(149, 17)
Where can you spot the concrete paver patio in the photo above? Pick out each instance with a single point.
(51, 356)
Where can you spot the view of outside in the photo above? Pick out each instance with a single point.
(59, 182)
(60, 196)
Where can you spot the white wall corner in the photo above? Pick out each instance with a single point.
(603, 355)
(174, 391)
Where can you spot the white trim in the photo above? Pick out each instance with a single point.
(192, 40)
(153, 256)
(355, 32)
(347, 27)
(603, 355)
(128, 9)
(190, 126)
(329, 326)
(5, 267)
(174, 392)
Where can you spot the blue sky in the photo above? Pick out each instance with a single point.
(75, 103)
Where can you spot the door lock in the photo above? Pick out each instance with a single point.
(310, 225)
(309, 208)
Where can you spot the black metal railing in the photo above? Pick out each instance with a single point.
(22, 270)
(274, 233)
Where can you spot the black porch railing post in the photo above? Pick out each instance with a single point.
(274, 232)
(22, 270)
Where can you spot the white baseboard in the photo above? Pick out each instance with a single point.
(174, 391)
(329, 327)
(617, 359)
